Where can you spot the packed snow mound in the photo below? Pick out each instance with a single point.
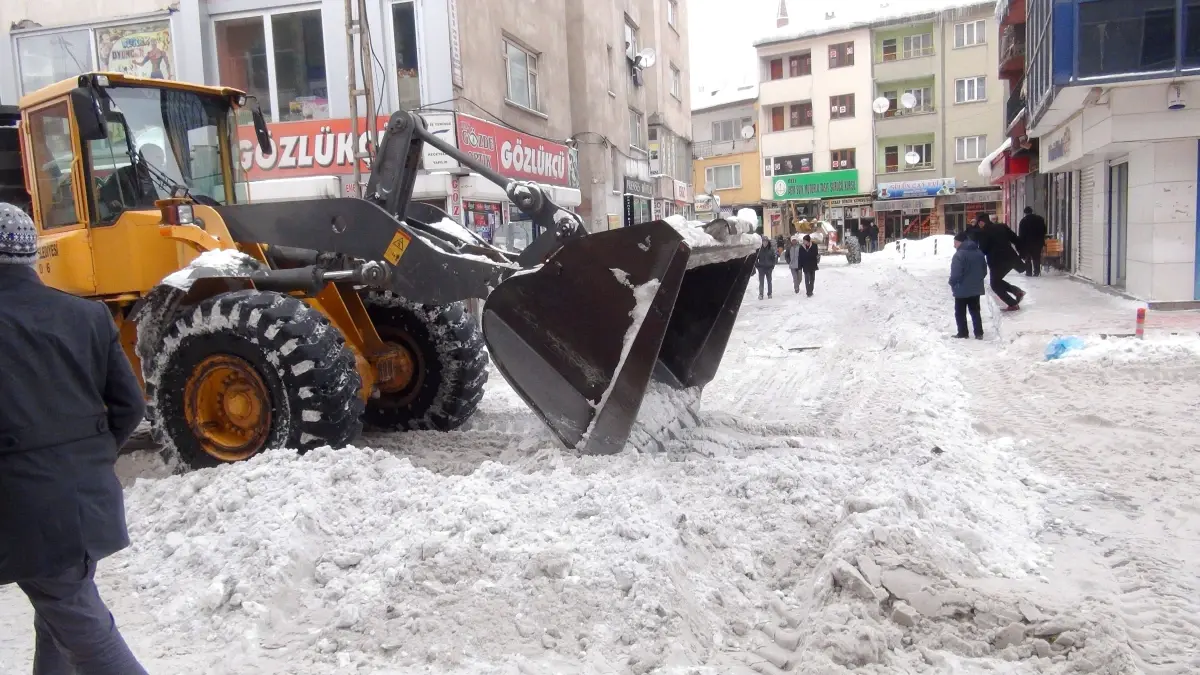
(217, 262)
(936, 246)
(695, 234)
(1167, 349)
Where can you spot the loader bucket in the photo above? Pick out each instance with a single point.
(580, 337)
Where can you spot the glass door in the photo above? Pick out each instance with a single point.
(1118, 222)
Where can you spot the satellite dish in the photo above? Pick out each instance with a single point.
(881, 105)
(908, 101)
(748, 131)
(912, 157)
(709, 187)
(645, 58)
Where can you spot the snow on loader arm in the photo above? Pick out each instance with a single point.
(578, 323)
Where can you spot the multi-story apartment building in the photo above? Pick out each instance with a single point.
(815, 120)
(725, 147)
(630, 117)
(919, 122)
(933, 71)
(1112, 98)
(503, 74)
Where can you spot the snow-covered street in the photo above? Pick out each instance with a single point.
(856, 492)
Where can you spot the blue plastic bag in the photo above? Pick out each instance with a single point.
(1060, 346)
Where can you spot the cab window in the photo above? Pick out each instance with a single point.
(53, 156)
(119, 184)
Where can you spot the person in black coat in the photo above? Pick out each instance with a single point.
(1032, 233)
(805, 258)
(768, 256)
(998, 242)
(68, 401)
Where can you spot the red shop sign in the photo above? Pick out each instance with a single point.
(512, 153)
(306, 148)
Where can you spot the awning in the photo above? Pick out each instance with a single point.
(985, 167)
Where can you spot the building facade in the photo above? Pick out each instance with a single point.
(501, 78)
(815, 123)
(932, 71)
(920, 118)
(631, 120)
(725, 149)
(1111, 92)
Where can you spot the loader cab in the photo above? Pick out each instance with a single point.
(100, 152)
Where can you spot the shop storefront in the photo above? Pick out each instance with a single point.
(908, 209)
(851, 216)
(800, 195)
(961, 209)
(638, 196)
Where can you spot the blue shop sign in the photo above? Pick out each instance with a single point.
(910, 189)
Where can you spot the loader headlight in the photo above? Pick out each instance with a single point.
(186, 215)
(174, 213)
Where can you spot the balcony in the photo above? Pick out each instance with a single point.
(704, 149)
(1012, 52)
(893, 164)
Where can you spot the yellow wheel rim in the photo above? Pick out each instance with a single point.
(228, 407)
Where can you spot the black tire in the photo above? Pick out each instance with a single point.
(308, 372)
(450, 359)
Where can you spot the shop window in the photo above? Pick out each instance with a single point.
(972, 33)
(970, 90)
(46, 59)
(800, 115)
(1119, 36)
(53, 155)
(776, 69)
(800, 65)
(841, 55)
(292, 84)
(521, 68)
(727, 177)
(841, 159)
(970, 148)
(841, 107)
(408, 67)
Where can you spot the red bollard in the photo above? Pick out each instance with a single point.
(1141, 323)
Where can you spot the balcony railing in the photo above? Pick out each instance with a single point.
(703, 149)
(923, 109)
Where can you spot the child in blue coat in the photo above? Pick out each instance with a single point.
(967, 271)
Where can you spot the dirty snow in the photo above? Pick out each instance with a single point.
(217, 262)
(695, 236)
(455, 230)
(855, 492)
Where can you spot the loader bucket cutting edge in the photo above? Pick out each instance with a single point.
(558, 334)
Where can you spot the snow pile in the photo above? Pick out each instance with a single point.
(696, 233)
(455, 230)
(1164, 350)
(936, 246)
(217, 262)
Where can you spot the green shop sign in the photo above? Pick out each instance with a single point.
(842, 183)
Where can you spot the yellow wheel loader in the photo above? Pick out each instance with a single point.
(289, 324)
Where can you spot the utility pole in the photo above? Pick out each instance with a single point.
(359, 27)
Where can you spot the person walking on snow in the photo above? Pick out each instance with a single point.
(68, 401)
(767, 258)
(998, 242)
(968, 267)
(804, 259)
(1032, 233)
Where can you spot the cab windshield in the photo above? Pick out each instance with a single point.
(162, 142)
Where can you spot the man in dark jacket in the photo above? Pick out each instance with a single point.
(765, 263)
(1032, 233)
(68, 400)
(998, 243)
(804, 259)
(968, 267)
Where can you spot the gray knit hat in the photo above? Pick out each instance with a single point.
(18, 236)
